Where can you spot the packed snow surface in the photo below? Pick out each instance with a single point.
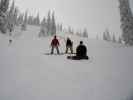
(26, 73)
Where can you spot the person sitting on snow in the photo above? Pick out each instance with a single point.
(81, 52)
(69, 45)
(55, 45)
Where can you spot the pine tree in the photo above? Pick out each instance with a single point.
(106, 35)
(12, 17)
(4, 5)
(113, 38)
(69, 29)
(20, 18)
(37, 20)
(59, 28)
(24, 24)
(43, 22)
(16, 16)
(53, 25)
(43, 28)
(85, 33)
(30, 20)
(126, 22)
(120, 40)
(49, 24)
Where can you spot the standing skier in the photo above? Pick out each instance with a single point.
(55, 45)
(69, 45)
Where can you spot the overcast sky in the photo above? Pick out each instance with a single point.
(95, 15)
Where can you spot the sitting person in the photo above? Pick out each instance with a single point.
(81, 52)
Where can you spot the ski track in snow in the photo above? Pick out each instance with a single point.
(27, 74)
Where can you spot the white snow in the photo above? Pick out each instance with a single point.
(27, 74)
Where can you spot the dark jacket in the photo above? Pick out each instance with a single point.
(55, 42)
(69, 43)
(81, 51)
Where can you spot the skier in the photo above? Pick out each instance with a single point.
(55, 45)
(69, 45)
(81, 52)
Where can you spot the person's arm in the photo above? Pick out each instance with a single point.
(51, 43)
(58, 43)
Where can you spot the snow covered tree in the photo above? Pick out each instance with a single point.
(37, 20)
(120, 40)
(113, 38)
(106, 35)
(53, 25)
(85, 33)
(4, 5)
(59, 28)
(49, 23)
(24, 24)
(126, 22)
(20, 18)
(30, 20)
(43, 32)
(12, 17)
(70, 30)
(43, 28)
(16, 11)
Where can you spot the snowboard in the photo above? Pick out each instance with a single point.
(59, 53)
(76, 58)
(54, 54)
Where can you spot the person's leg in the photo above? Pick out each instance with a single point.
(66, 49)
(71, 49)
(52, 50)
(57, 50)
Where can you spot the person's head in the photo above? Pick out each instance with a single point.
(68, 38)
(81, 42)
(55, 36)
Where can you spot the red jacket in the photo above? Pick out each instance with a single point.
(55, 42)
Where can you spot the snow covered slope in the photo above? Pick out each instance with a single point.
(27, 74)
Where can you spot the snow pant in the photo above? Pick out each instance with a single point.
(69, 47)
(55, 47)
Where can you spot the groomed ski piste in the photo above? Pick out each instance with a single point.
(27, 74)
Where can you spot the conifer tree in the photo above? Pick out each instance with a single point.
(120, 40)
(53, 25)
(113, 38)
(24, 24)
(85, 33)
(106, 35)
(37, 20)
(43, 28)
(126, 22)
(4, 5)
(49, 23)
(12, 17)
(20, 18)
